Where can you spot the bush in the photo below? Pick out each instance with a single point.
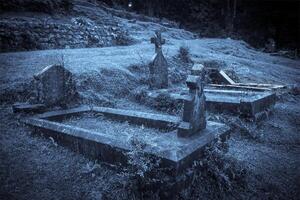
(140, 182)
(139, 95)
(122, 39)
(184, 54)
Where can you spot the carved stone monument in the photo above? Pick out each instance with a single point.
(55, 86)
(158, 41)
(193, 119)
(158, 67)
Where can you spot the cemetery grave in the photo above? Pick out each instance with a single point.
(245, 103)
(247, 100)
(110, 146)
(219, 78)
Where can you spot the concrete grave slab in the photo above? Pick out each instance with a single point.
(272, 87)
(239, 87)
(71, 128)
(246, 103)
(226, 78)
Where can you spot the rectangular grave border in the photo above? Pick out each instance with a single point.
(107, 149)
(247, 107)
(251, 108)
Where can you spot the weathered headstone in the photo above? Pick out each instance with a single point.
(193, 119)
(159, 66)
(55, 86)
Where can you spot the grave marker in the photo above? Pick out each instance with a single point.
(157, 41)
(159, 66)
(193, 119)
(55, 86)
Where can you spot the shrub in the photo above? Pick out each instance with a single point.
(184, 54)
(140, 182)
(122, 39)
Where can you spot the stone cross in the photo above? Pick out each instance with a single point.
(193, 119)
(158, 67)
(158, 41)
(55, 86)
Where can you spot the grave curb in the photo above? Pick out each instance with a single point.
(105, 148)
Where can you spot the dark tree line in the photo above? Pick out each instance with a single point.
(43, 6)
(255, 21)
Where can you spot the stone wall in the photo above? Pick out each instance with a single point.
(21, 33)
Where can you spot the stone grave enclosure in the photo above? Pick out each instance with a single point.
(156, 132)
(248, 101)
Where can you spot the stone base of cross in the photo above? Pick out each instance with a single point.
(193, 119)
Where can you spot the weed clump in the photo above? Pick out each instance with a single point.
(184, 54)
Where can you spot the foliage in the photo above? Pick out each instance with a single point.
(138, 173)
(164, 102)
(139, 162)
(184, 54)
(122, 39)
(254, 21)
(215, 172)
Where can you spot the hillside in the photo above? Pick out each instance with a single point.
(52, 27)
